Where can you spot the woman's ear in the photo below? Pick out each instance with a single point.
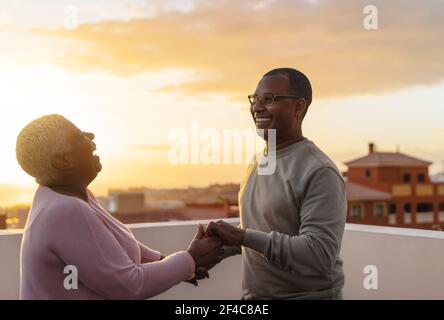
(62, 162)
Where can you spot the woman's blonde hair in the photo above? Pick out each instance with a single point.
(39, 141)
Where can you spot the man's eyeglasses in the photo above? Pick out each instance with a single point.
(268, 98)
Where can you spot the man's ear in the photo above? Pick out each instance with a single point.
(301, 106)
(62, 162)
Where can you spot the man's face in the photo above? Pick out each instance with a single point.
(84, 162)
(278, 115)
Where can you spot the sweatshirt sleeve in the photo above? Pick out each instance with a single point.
(323, 214)
(81, 239)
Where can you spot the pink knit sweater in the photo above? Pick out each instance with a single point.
(111, 264)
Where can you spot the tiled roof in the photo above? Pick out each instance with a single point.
(359, 192)
(387, 159)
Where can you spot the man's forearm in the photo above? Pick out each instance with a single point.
(230, 251)
(292, 253)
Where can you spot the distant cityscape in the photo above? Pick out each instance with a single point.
(139, 205)
(383, 188)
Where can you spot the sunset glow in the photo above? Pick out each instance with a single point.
(133, 71)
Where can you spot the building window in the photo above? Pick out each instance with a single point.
(407, 207)
(379, 210)
(368, 173)
(356, 211)
(407, 213)
(441, 212)
(407, 218)
(406, 178)
(424, 207)
(421, 177)
(424, 212)
(392, 208)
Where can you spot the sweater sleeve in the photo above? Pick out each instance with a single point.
(148, 254)
(81, 239)
(317, 246)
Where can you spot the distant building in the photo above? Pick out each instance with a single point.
(2, 221)
(392, 188)
(126, 202)
(211, 194)
(151, 205)
(211, 211)
(14, 217)
(104, 202)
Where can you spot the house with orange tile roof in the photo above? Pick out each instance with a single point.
(393, 189)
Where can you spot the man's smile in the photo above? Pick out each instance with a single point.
(263, 121)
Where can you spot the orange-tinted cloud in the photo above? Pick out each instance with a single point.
(231, 44)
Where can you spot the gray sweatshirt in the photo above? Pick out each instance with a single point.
(294, 221)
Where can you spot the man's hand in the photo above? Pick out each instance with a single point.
(228, 234)
(199, 274)
(206, 252)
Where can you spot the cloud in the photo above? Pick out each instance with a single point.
(230, 45)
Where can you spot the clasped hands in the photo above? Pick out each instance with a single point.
(207, 246)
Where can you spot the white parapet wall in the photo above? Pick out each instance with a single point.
(409, 262)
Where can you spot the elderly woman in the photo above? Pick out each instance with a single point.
(67, 227)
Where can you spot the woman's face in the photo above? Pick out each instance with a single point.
(85, 164)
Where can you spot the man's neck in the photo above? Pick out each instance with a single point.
(287, 142)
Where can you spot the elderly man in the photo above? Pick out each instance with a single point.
(292, 221)
(68, 228)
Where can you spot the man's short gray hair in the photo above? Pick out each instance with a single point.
(39, 141)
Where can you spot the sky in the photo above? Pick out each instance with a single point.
(134, 71)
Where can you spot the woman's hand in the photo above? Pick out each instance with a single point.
(206, 253)
(199, 274)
